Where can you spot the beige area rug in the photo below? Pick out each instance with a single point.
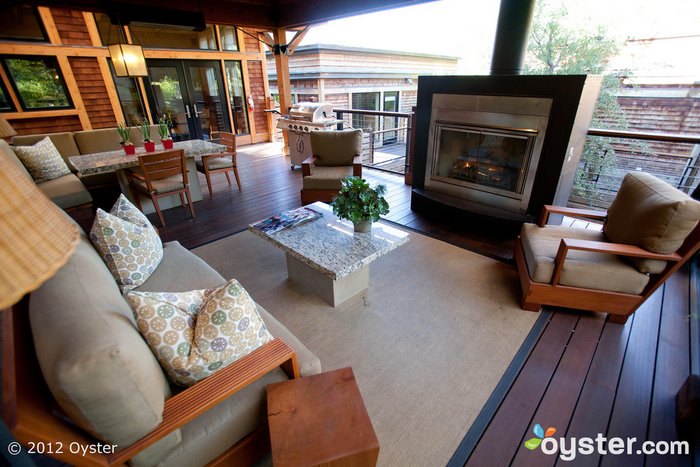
(428, 341)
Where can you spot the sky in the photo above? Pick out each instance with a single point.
(466, 28)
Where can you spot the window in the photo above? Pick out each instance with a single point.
(22, 23)
(5, 101)
(228, 38)
(234, 77)
(164, 38)
(109, 33)
(130, 99)
(38, 82)
(365, 101)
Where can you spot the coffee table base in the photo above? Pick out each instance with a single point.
(334, 292)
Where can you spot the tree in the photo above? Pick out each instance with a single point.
(555, 49)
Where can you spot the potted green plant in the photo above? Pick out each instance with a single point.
(359, 203)
(145, 130)
(164, 132)
(125, 135)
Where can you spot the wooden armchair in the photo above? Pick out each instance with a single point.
(162, 174)
(335, 155)
(33, 416)
(650, 231)
(223, 162)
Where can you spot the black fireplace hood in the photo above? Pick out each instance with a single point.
(573, 101)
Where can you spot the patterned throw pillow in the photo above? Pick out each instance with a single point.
(43, 161)
(131, 252)
(126, 211)
(229, 326)
(194, 334)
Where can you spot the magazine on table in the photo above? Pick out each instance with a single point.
(286, 219)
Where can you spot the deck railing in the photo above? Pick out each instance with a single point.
(385, 139)
(674, 158)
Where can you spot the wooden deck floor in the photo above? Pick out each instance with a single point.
(583, 376)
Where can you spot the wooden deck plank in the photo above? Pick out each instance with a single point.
(672, 367)
(630, 415)
(561, 397)
(512, 421)
(592, 412)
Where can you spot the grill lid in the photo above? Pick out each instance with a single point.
(312, 111)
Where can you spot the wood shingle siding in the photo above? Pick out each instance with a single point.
(71, 26)
(32, 126)
(257, 90)
(93, 91)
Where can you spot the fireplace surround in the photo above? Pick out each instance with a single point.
(502, 145)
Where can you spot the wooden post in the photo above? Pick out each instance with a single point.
(283, 82)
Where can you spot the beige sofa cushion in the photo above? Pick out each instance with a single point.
(7, 150)
(583, 269)
(651, 214)
(93, 359)
(102, 140)
(336, 147)
(64, 142)
(326, 178)
(67, 191)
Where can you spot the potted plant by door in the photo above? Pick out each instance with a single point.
(164, 132)
(125, 135)
(145, 130)
(359, 203)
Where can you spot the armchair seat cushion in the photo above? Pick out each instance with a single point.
(326, 178)
(66, 191)
(215, 163)
(582, 269)
(164, 185)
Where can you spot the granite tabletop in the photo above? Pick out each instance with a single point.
(329, 244)
(111, 161)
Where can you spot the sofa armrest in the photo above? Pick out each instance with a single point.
(572, 212)
(192, 402)
(618, 249)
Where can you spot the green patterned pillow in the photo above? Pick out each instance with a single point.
(131, 252)
(126, 211)
(190, 342)
(229, 326)
(43, 161)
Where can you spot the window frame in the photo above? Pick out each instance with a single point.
(7, 94)
(42, 28)
(15, 89)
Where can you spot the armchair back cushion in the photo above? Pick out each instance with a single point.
(7, 151)
(650, 213)
(336, 147)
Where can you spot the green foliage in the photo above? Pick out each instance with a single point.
(145, 130)
(358, 202)
(164, 125)
(124, 133)
(38, 82)
(555, 49)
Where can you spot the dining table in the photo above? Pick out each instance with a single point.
(119, 162)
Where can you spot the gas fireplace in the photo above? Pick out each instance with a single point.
(499, 145)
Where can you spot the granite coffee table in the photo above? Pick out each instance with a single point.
(327, 258)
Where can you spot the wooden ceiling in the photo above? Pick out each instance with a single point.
(261, 14)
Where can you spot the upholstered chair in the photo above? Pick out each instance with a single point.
(335, 155)
(649, 231)
(221, 162)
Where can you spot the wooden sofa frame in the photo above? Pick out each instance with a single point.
(619, 306)
(309, 196)
(33, 416)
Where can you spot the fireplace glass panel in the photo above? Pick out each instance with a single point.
(491, 158)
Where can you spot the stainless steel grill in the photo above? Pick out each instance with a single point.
(304, 118)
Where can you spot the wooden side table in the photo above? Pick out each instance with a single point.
(320, 420)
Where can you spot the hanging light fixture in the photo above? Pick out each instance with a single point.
(128, 59)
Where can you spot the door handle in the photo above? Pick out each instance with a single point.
(187, 111)
(197, 113)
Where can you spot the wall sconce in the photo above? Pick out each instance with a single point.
(128, 60)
